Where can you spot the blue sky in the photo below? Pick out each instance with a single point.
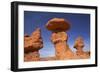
(80, 26)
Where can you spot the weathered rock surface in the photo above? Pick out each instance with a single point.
(59, 38)
(58, 24)
(32, 45)
(60, 43)
(33, 42)
(32, 56)
(79, 44)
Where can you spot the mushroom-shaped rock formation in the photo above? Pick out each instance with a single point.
(32, 45)
(58, 24)
(79, 44)
(59, 38)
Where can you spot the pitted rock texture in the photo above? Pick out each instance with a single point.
(62, 50)
(32, 45)
(79, 45)
(33, 42)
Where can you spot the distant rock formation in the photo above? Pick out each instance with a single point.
(32, 45)
(79, 44)
(59, 38)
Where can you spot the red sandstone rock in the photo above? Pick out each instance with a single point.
(32, 56)
(59, 37)
(34, 42)
(32, 45)
(58, 24)
(79, 44)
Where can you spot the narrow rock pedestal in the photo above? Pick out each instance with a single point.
(59, 38)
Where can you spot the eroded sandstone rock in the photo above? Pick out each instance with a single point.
(79, 44)
(32, 56)
(59, 38)
(32, 45)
